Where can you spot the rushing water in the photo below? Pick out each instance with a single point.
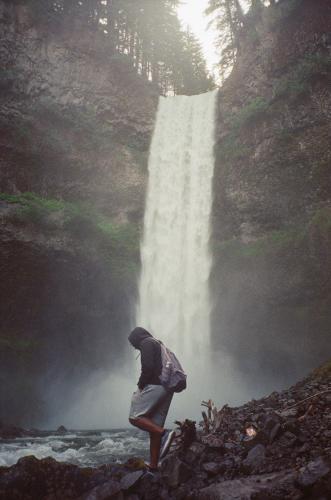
(174, 302)
(88, 448)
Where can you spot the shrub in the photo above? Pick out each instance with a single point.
(231, 149)
(118, 243)
(250, 112)
(298, 80)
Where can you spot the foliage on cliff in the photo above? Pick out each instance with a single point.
(271, 227)
(118, 243)
(147, 35)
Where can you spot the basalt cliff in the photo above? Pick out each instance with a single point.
(75, 130)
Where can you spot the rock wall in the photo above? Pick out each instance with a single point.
(75, 127)
(272, 211)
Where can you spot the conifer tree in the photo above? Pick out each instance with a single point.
(228, 18)
(147, 33)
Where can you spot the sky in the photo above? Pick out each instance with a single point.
(191, 14)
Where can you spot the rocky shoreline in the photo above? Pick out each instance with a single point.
(278, 447)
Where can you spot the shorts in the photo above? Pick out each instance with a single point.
(152, 402)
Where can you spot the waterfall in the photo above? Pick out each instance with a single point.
(174, 302)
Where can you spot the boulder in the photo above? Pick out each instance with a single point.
(61, 429)
(275, 432)
(11, 432)
(290, 413)
(110, 490)
(288, 439)
(174, 471)
(212, 468)
(257, 487)
(130, 479)
(194, 452)
(255, 456)
(213, 441)
(312, 472)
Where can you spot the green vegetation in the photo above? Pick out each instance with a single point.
(231, 149)
(250, 112)
(298, 80)
(147, 34)
(283, 10)
(293, 85)
(8, 77)
(322, 219)
(32, 207)
(16, 344)
(78, 120)
(323, 370)
(118, 244)
(274, 241)
(279, 240)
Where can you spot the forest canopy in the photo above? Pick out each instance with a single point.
(146, 33)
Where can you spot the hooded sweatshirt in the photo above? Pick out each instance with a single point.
(151, 363)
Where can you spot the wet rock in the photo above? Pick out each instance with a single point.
(130, 479)
(288, 439)
(11, 432)
(110, 490)
(255, 456)
(312, 472)
(61, 429)
(212, 468)
(291, 412)
(194, 452)
(174, 471)
(257, 487)
(213, 441)
(230, 446)
(275, 432)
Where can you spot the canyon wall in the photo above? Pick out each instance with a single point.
(272, 213)
(75, 127)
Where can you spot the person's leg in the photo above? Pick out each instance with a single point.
(149, 409)
(146, 424)
(155, 446)
(159, 417)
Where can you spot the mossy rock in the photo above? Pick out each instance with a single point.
(323, 371)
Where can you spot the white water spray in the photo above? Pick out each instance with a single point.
(174, 302)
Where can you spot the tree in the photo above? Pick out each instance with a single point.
(194, 74)
(147, 32)
(228, 18)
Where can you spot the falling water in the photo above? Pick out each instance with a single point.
(174, 302)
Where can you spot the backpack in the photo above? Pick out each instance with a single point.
(172, 375)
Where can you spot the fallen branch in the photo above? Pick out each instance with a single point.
(306, 399)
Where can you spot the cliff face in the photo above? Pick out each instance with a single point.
(75, 127)
(75, 122)
(272, 213)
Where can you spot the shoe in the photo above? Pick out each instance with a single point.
(166, 441)
(150, 469)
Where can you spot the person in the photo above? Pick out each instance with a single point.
(150, 403)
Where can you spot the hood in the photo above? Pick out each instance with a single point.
(137, 336)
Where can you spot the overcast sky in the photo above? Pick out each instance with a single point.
(191, 14)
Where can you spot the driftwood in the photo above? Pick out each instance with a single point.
(188, 432)
(309, 397)
(212, 420)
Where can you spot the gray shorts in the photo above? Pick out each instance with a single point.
(152, 402)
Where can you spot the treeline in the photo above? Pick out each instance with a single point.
(232, 21)
(147, 33)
